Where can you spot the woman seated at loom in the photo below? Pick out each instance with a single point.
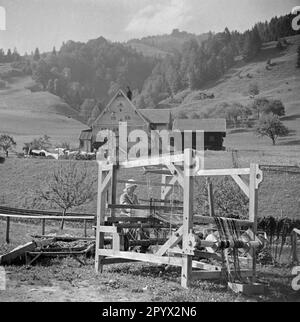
(129, 197)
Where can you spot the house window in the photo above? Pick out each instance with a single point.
(113, 116)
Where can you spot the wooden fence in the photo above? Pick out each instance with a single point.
(42, 215)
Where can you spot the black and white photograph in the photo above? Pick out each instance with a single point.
(149, 153)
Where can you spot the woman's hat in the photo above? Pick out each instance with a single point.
(129, 184)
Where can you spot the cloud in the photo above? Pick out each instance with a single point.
(160, 17)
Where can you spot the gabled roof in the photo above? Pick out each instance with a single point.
(121, 93)
(156, 116)
(206, 125)
(86, 135)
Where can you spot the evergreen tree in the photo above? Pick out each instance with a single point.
(36, 56)
(2, 56)
(8, 56)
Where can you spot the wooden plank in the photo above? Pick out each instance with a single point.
(73, 218)
(116, 242)
(211, 275)
(144, 162)
(177, 173)
(253, 210)
(168, 187)
(247, 289)
(142, 225)
(188, 195)
(43, 226)
(106, 180)
(7, 229)
(205, 266)
(161, 172)
(63, 238)
(296, 231)
(9, 258)
(113, 189)
(198, 253)
(50, 254)
(210, 198)
(108, 229)
(176, 261)
(84, 228)
(22, 211)
(144, 207)
(113, 260)
(294, 238)
(198, 219)
(172, 241)
(124, 219)
(146, 242)
(144, 183)
(241, 184)
(223, 172)
(100, 221)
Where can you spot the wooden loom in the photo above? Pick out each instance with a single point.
(179, 248)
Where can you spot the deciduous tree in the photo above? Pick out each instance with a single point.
(270, 126)
(7, 142)
(69, 186)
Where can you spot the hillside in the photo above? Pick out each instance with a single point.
(282, 82)
(162, 45)
(27, 115)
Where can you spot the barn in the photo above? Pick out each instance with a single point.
(214, 131)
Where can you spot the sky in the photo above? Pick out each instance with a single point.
(47, 23)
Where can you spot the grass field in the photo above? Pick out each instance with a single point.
(21, 178)
(26, 115)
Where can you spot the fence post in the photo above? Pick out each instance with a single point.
(85, 229)
(7, 229)
(43, 226)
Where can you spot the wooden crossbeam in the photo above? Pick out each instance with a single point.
(178, 173)
(176, 261)
(168, 187)
(172, 241)
(49, 217)
(144, 183)
(223, 172)
(143, 162)
(241, 184)
(106, 180)
(211, 275)
(144, 207)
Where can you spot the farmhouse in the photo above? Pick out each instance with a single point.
(121, 109)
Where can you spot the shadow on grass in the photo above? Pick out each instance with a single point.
(237, 131)
(290, 117)
(289, 143)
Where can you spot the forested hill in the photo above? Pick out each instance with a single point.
(163, 45)
(200, 62)
(96, 69)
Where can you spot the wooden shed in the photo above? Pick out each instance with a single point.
(214, 131)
